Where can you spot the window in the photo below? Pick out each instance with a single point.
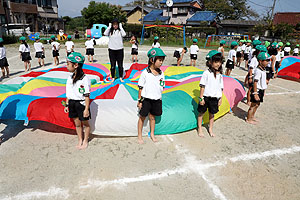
(39, 2)
(182, 10)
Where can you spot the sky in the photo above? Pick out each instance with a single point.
(72, 8)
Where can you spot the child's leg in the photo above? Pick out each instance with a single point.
(87, 130)
(211, 123)
(200, 118)
(57, 59)
(152, 127)
(7, 71)
(178, 61)
(43, 62)
(92, 58)
(191, 62)
(140, 129)
(25, 65)
(3, 72)
(251, 112)
(136, 58)
(29, 65)
(248, 95)
(78, 131)
(39, 61)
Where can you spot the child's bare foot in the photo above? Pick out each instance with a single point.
(78, 146)
(121, 80)
(251, 122)
(141, 141)
(256, 120)
(200, 133)
(211, 133)
(112, 80)
(153, 138)
(84, 145)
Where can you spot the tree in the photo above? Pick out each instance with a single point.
(102, 13)
(150, 3)
(230, 9)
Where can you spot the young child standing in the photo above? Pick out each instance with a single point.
(69, 45)
(39, 51)
(259, 86)
(247, 53)
(287, 49)
(151, 85)
(231, 58)
(239, 54)
(211, 89)
(194, 51)
(89, 48)
(179, 53)
(134, 48)
(78, 98)
(296, 50)
(156, 43)
(55, 50)
(221, 47)
(270, 68)
(3, 60)
(24, 50)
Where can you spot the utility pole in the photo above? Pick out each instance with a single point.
(273, 7)
(143, 12)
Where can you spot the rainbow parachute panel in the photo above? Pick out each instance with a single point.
(290, 68)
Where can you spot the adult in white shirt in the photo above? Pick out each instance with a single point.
(39, 51)
(115, 32)
(69, 45)
(89, 48)
(24, 50)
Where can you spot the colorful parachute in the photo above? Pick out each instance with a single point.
(38, 96)
(290, 68)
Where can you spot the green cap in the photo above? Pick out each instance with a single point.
(155, 52)
(1, 40)
(288, 44)
(195, 40)
(22, 38)
(256, 42)
(37, 37)
(297, 45)
(52, 37)
(263, 56)
(249, 41)
(274, 45)
(69, 37)
(280, 44)
(261, 48)
(267, 43)
(156, 38)
(212, 53)
(88, 36)
(76, 57)
(234, 43)
(222, 42)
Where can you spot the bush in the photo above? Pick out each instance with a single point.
(10, 39)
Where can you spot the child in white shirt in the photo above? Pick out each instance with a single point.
(194, 49)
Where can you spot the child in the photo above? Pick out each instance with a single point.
(259, 86)
(156, 43)
(296, 50)
(78, 101)
(89, 48)
(287, 49)
(3, 60)
(179, 53)
(69, 45)
(134, 48)
(55, 50)
(24, 50)
(247, 53)
(221, 47)
(243, 48)
(231, 58)
(211, 89)
(279, 58)
(239, 54)
(194, 51)
(151, 85)
(270, 68)
(39, 51)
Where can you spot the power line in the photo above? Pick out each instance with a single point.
(259, 4)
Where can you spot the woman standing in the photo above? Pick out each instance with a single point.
(115, 32)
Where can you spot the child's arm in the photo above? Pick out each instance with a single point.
(86, 112)
(256, 97)
(140, 100)
(66, 109)
(273, 64)
(202, 88)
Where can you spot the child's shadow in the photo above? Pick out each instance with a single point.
(240, 113)
(12, 129)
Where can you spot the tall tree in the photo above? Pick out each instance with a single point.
(150, 3)
(102, 13)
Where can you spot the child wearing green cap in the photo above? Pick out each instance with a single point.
(270, 68)
(69, 45)
(134, 48)
(89, 48)
(287, 49)
(231, 58)
(221, 47)
(194, 49)
(155, 43)
(39, 51)
(151, 85)
(259, 86)
(78, 88)
(296, 50)
(24, 50)
(3, 60)
(179, 53)
(247, 52)
(239, 54)
(55, 50)
(211, 89)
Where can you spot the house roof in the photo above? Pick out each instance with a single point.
(239, 23)
(292, 18)
(156, 15)
(178, 1)
(130, 9)
(201, 16)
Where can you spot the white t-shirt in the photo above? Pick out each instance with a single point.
(38, 46)
(78, 90)
(56, 44)
(69, 45)
(239, 49)
(278, 56)
(157, 45)
(248, 49)
(243, 47)
(219, 49)
(194, 49)
(152, 85)
(261, 77)
(134, 45)
(296, 50)
(287, 49)
(254, 63)
(2, 52)
(23, 48)
(179, 50)
(89, 44)
(231, 54)
(213, 86)
(116, 39)
(282, 54)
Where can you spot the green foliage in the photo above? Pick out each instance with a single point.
(76, 23)
(102, 13)
(152, 3)
(10, 39)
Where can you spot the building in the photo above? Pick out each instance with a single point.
(292, 18)
(200, 17)
(236, 27)
(134, 13)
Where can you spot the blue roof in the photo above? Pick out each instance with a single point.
(203, 16)
(155, 15)
(179, 1)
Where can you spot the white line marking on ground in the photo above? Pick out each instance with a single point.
(52, 192)
(281, 87)
(281, 93)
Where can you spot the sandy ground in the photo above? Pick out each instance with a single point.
(243, 162)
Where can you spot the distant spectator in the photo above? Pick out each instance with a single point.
(77, 35)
